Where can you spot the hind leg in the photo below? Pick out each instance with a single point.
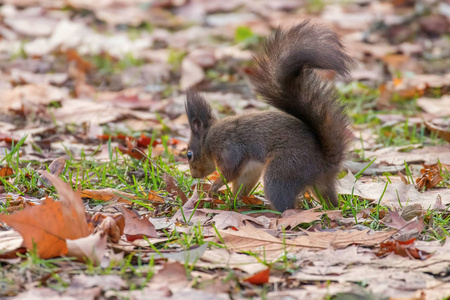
(327, 190)
(285, 177)
(248, 178)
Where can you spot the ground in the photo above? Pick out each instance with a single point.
(96, 199)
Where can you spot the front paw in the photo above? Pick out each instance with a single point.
(212, 191)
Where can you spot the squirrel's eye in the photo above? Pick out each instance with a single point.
(189, 155)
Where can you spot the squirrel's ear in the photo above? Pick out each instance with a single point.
(199, 112)
(196, 125)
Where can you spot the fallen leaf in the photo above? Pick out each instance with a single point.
(252, 200)
(249, 238)
(191, 74)
(222, 258)
(80, 63)
(401, 224)
(6, 172)
(173, 188)
(436, 107)
(259, 278)
(293, 217)
(343, 238)
(55, 168)
(233, 219)
(112, 229)
(154, 197)
(403, 178)
(171, 277)
(108, 194)
(431, 176)
(49, 225)
(106, 282)
(130, 150)
(403, 248)
(441, 132)
(190, 256)
(411, 211)
(438, 204)
(22, 77)
(98, 218)
(30, 94)
(10, 241)
(80, 111)
(91, 248)
(136, 227)
(395, 192)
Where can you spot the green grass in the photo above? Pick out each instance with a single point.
(361, 103)
(106, 64)
(246, 37)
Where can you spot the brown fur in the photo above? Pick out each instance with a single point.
(303, 144)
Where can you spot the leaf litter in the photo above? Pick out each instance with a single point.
(86, 90)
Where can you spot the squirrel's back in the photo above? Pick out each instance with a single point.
(284, 76)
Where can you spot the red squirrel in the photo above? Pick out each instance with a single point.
(301, 144)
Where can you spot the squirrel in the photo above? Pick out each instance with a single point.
(301, 144)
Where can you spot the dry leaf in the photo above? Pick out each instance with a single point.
(112, 229)
(137, 228)
(55, 168)
(154, 197)
(129, 150)
(407, 229)
(98, 218)
(6, 171)
(438, 204)
(172, 276)
(436, 107)
(222, 258)
(412, 211)
(233, 219)
(403, 178)
(395, 192)
(173, 188)
(91, 248)
(343, 238)
(293, 217)
(431, 176)
(108, 194)
(441, 132)
(191, 74)
(249, 238)
(252, 200)
(49, 225)
(10, 242)
(81, 64)
(403, 248)
(259, 278)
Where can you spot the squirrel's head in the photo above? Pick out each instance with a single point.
(201, 118)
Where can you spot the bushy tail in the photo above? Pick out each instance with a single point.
(284, 76)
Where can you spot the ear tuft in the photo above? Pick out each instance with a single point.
(199, 112)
